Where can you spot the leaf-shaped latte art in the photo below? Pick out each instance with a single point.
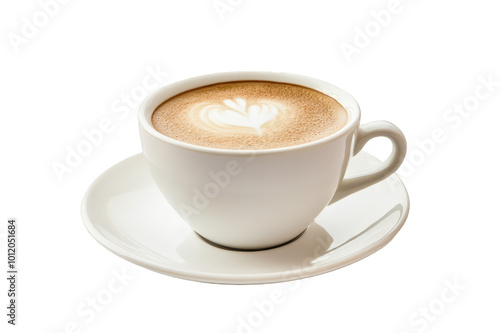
(236, 115)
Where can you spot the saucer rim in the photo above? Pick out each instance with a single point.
(232, 278)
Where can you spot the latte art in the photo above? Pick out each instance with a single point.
(235, 116)
(249, 115)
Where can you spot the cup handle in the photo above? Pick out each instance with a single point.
(367, 132)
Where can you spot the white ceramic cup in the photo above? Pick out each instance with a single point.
(256, 199)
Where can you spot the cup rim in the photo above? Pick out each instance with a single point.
(153, 100)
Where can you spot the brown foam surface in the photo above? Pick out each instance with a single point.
(302, 115)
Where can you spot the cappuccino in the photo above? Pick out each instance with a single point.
(249, 115)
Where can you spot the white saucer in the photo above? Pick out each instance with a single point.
(124, 211)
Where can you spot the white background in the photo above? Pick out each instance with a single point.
(66, 77)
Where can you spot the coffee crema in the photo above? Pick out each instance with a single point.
(249, 115)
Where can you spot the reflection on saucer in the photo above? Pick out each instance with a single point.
(298, 254)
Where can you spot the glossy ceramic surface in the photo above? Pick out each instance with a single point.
(125, 212)
(260, 198)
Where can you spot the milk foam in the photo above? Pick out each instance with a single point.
(235, 116)
(249, 115)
